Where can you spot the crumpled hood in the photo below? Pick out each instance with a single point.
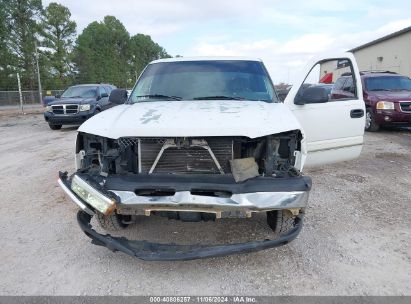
(192, 119)
(71, 101)
(392, 95)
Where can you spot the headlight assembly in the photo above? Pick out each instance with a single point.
(85, 107)
(385, 105)
(90, 195)
(48, 109)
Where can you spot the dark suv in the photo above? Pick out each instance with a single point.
(387, 97)
(77, 104)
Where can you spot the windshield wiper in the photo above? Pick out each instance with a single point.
(218, 97)
(159, 96)
(381, 90)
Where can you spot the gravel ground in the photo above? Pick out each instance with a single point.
(356, 238)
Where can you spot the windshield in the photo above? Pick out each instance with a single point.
(80, 91)
(204, 80)
(388, 83)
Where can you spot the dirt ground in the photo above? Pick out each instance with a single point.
(356, 238)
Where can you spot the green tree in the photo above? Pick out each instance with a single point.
(58, 33)
(142, 50)
(101, 52)
(21, 18)
(6, 79)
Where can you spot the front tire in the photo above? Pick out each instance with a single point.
(370, 124)
(55, 127)
(281, 221)
(112, 222)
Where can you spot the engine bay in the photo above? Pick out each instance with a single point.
(274, 155)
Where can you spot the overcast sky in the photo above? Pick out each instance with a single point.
(285, 34)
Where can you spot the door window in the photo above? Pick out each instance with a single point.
(329, 111)
(329, 80)
(101, 90)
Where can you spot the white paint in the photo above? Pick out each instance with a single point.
(330, 132)
(192, 118)
(207, 58)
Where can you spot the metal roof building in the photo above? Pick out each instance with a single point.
(388, 53)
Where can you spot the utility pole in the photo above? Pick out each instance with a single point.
(20, 95)
(38, 74)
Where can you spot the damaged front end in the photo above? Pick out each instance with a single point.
(189, 179)
(171, 252)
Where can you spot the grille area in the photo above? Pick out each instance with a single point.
(71, 109)
(58, 109)
(65, 109)
(183, 158)
(405, 106)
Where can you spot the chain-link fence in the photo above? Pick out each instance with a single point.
(8, 98)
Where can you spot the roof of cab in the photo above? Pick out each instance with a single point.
(208, 58)
(367, 74)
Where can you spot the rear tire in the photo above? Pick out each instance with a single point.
(55, 127)
(370, 124)
(281, 221)
(112, 222)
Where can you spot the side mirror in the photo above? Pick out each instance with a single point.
(118, 96)
(312, 95)
(57, 95)
(103, 95)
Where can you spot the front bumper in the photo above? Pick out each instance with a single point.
(172, 252)
(194, 193)
(68, 119)
(254, 195)
(393, 117)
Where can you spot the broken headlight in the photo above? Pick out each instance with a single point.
(94, 198)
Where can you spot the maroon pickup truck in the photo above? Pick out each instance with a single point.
(387, 97)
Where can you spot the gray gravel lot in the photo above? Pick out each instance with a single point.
(356, 238)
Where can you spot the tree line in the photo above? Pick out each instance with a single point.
(103, 52)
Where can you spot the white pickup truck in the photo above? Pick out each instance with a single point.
(201, 139)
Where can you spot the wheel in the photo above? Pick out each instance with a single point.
(281, 221)
(370, 124)
(112, 222)
(55, 127)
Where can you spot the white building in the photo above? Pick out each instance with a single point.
(389, 53)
